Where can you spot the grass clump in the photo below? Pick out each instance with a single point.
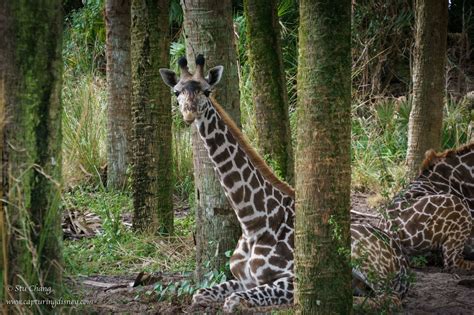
(84, 128)
(117, 249)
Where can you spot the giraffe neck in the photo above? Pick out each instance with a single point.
(258, 204)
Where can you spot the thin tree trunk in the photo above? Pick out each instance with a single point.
(152, 176)
(30, 101)
(209, 31)
(323, 174)
(429, 81)
(117, 18)
(268, 85)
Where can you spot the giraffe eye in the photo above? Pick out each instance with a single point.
(176, 93)
(207, 93)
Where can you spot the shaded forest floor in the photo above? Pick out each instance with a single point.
(433, 291)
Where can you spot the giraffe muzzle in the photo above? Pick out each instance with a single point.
(188, 117)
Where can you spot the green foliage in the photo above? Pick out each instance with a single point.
(381, 43)
(379, 142)
(184, 226)
(176, 13)
(455, 123)
(274, 165)
(186, 287)
(418, 261)
(84, 38)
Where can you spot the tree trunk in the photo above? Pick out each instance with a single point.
(30, 104)
(152, 174)
(322, 254)
(269, 86)
(429, 83)
(117, 18)
(209, 31)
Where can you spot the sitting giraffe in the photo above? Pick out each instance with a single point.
(263, 262)
(436, 211)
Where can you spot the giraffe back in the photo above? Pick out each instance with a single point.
(450, 172)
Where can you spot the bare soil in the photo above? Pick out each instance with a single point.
(433, 291)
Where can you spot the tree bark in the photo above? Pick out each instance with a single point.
(117, 18)
(268, 86)
(208, 28)
(30, 105)
(323, 174)
(152, 176)
(429, 81)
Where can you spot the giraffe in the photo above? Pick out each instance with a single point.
(262, 263)
(436, 210)
(380, 266)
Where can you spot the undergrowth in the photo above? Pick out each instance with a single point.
(117, 250)
(379, 142)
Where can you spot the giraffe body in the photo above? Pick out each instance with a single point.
(262, 263)
(436, 211)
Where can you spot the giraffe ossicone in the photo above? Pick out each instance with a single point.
(262, 263)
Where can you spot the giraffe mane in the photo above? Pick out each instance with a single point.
(252, 154)
(432, 157)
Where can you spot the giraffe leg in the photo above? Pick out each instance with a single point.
(452, 255)
(469, 247)
(459, 231)
(279, 292)
(217, 293)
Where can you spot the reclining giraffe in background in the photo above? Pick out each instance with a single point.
(436, 211)
(263, 263)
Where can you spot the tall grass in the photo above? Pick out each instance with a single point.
(84, 126)
(84, 95)
(379, 142)
(183, 163)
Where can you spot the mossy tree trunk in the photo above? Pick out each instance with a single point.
(208, 28)
(429, 81)
(269, 93)
(323, 174)
(152, 175)
(30, 106)
(117, 18)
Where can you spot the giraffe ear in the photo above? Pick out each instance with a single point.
(214, 75)
(169, 77)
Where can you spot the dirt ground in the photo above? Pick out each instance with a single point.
(433, 292)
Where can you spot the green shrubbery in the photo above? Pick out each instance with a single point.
(116, 249)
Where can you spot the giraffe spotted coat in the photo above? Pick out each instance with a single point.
(262, 263)
(436, 210)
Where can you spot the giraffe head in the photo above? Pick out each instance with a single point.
(192, 90)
